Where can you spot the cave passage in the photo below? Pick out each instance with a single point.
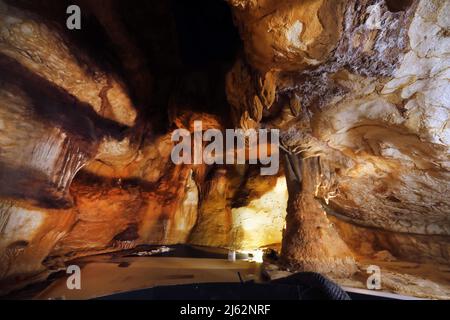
(353, 92)
(206, 33)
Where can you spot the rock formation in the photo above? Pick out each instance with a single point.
(370, 105)
(359, 90)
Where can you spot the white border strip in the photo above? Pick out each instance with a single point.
(380, 293)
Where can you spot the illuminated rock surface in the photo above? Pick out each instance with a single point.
(359, 90)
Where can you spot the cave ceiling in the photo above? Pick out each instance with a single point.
(359, 91)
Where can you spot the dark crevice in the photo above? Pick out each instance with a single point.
(398, 5)
(209, 43)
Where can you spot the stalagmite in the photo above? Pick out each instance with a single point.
(310, 242)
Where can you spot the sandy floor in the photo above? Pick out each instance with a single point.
(103, 275)
(107, 274)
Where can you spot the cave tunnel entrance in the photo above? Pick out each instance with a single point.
(208, 43)
(190, 45)
(206, 33)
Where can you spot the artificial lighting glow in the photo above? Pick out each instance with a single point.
(253, 255)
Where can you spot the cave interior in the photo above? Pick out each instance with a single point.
(357, 90)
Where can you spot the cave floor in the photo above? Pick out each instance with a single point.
(111, 273)
(108, 274)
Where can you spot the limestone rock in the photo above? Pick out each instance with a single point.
(47, 54)
(288, 35)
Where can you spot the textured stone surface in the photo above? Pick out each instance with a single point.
(359, 90)
(311, 243)
(241, 210)
(288, 35)
(47, 54)
(373, 108)
(383, 245)
(28, 234)
(38, 160)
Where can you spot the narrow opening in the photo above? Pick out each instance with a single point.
(206, 32)
(398, 5)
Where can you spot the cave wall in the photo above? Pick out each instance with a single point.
(241, 210)
(359, 90)
(85, 153)
(362, 86)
